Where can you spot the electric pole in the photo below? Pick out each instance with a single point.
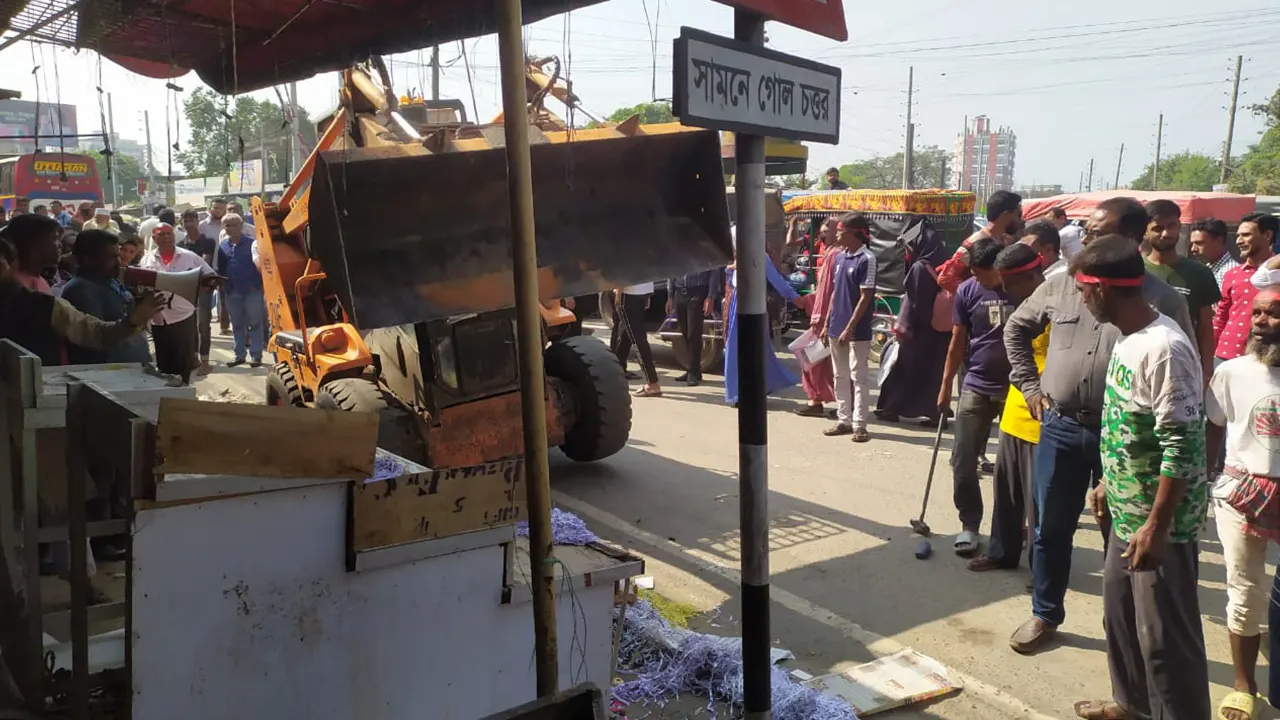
(1231, 121)
(1155, 169)
(1119, 162)
(1081, 188)
(907, 155)
(435, 72)
(1090, 174)
(151, 165)
(111, 159)
(295, 143)
(964, 154)
(942, 176)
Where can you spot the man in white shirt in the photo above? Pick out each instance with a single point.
(173, 328)
(1044, 238)
(1243, 403)
(629, 305)
(211, 227)
(1072, 236)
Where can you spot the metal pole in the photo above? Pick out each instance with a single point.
(111, 159)
(1090, 174)
(1155, 169)
(533, 403)
(435, 73)
(964, 155)
(295, 144)
(753, 423)
(1231, 121)
(151, 164)
(1119, 162)
(907, 153)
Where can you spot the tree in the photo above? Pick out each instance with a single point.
(650, 113)
(884, 172)
(1258, 169)
(127, 172)
(217, 134)
(799, 182)
(1184, 171)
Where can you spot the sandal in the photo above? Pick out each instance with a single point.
(646, 391)
(966, 543)
(810, 411)
(838, 430)
(1241, 702)
(860, 435)
(985, 563)
(1100, 710)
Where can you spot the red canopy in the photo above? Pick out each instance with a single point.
(275, 41)
(1228, 207)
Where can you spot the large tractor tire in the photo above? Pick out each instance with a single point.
(712, 354)
(398, 429)
(282, 387)
(603, 398)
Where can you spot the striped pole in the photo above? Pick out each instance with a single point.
(753, 434)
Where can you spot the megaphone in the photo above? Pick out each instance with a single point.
(185, 284)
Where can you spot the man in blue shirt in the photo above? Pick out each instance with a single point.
(979, 313)
(96, 290)
(245, 302)
(848, 329)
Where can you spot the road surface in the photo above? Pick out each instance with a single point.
(845, 584)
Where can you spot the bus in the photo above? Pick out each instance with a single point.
(48, 176)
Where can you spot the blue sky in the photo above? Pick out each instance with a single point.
(1074, 80)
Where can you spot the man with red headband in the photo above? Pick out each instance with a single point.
(1153, 475)
(1243, 404)
(1013, 506)
(173, 329)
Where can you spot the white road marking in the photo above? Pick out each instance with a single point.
(877, 644)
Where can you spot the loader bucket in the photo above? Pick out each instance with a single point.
(406, 235)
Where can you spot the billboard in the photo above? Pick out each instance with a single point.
(19, 117)
(245, 177)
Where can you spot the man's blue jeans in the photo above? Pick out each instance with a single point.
(248, 310)
(1066, 466)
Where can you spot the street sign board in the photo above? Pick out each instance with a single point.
(824, 17)
(725, 84)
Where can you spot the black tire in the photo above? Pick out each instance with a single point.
(282, 387)
(603, 398)
(398, 429)
(712, 353)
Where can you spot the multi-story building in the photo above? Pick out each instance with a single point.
(983, 158)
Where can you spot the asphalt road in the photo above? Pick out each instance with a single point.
(846, 586)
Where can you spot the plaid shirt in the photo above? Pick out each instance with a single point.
(1220, 267)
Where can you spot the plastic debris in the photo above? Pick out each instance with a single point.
(385, 468)
(668, 662)
(566, 529)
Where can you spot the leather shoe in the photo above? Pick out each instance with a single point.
(1032, 635)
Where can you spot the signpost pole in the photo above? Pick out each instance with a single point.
(753, 437)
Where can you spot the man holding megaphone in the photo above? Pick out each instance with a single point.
(177, 274)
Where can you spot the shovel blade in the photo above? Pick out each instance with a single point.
(406, 235)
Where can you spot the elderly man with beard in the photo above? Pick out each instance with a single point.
(1243, 404)
(1066, 396)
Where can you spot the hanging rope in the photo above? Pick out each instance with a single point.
(35, 73)
(475, 109)
(62, 132)
(107, 151)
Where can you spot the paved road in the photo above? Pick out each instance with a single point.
(845, 583)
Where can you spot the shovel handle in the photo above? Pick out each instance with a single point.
(933, 463)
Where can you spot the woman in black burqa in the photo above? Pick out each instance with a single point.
(910, 390)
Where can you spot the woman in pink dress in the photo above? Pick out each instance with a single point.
(818, 380)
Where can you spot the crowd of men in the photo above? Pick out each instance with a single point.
(1145, 384)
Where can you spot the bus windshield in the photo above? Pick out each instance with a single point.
(45, 177)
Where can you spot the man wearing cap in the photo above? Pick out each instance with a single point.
(102, 221)
(1066, 396)
(1153, 479)
(1013, 507)
(1243, 405)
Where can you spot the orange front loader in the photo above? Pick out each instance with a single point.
(388, 273)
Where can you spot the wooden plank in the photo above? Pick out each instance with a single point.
(436, 503)
(212, 438)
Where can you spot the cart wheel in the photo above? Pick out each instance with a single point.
(712, 353)
(282, 387)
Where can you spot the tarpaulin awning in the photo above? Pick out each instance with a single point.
(1227, 207)
(244, 45)
(915, 202)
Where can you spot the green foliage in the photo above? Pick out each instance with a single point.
(799, 182)
(215, 137)
(1258, 169)
(650, 113)
(1184, 171)
(127, 172)
(884, 172)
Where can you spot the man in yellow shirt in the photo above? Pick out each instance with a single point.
(1021, 271)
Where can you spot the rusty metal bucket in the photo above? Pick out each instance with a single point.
(407, 235)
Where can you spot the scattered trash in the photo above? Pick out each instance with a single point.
(566, 529)
(722, 496)
(668, 662)
(890, 682)
(801, 675)
(385, 468)
(644, 582)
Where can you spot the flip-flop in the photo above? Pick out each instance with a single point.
(1100, 710)
(838, 430)
(966, 543)
(1241, 702)
(985, 563)
(646, 392)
